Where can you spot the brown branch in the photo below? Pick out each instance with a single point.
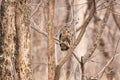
(76, 57)
(79, 28)
(89, 54)
(70, 51)
(82, 68)
(98, 38)
(41, 32)
(36, 9)
(115, 17)
(109, 62)
(105, 7)
(84, 26)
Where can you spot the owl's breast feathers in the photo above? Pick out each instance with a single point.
(65, 39)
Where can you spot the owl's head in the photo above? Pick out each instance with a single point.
(67, 32)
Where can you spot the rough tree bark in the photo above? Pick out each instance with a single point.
(23, 40)
(14, 40)
(51, 43)
(7, 44)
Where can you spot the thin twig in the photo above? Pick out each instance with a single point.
(76, 57)
(115, 14)
(105, 7)
(110, 61)
(41, 32)
(36, 9)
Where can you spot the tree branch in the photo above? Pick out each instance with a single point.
(108, 63)
(70, 51)
(89, 54)
(84, 26)
(115, 17)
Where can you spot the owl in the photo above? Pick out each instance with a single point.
(65, 38)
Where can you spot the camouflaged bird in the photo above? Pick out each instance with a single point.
(65, 39)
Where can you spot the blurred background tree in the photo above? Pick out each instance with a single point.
(99, 46)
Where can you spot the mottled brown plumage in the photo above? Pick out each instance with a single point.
(65, 39)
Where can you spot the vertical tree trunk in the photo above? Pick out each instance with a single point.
(51, 54)
(22, 40)
(7, 44)
(68, 70)
(14, 40)
(68, 8)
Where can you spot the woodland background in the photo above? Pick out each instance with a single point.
(29, 40)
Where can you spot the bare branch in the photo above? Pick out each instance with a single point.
(109, 62)
(84, 26)
(36, 9)
(89, 54)
(41, 32)
(76, 57)
(115, 17)
(70, 51)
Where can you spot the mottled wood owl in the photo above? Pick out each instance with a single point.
(65, 38)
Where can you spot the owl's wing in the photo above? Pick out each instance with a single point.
(60, 36)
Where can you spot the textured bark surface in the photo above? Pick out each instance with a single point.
(7, 44)
(51, 43)
(22, 40)
(14, 40)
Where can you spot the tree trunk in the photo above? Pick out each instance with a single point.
(14, 40)
(51, 43)
(22, 40)
(7, 44)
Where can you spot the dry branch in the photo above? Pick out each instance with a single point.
(115, 17)
(89, 54)
(40, 31)
(70, 51)
(84, 26)
(98, 38)
(36, 9)
(108, 63)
